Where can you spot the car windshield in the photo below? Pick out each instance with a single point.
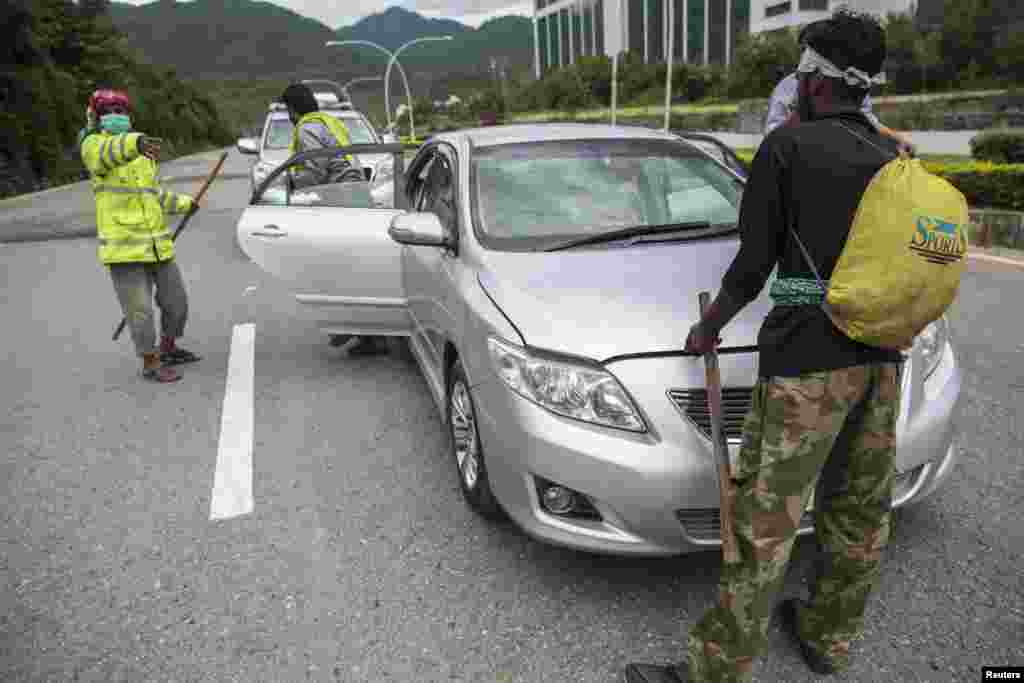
(279, 136)
(530, 196)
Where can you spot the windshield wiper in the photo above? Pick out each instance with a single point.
(626, 233)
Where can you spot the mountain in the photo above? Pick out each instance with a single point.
(253, 39)
(223, 38)
(396, 26)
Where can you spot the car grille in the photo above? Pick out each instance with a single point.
(704, 524)
(693, 403)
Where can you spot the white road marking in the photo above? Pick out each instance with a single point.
(232, 482)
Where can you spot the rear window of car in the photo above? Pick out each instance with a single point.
(279, 133)
(527, 196)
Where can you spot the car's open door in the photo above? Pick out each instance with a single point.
(329, 242)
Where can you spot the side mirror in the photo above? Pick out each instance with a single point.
(248, 146)
(419, 229)
(389, 138)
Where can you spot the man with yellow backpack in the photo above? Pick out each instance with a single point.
(135, 243)
(869, 249)
(315, 129)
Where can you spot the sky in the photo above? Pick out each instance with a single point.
(338, 13)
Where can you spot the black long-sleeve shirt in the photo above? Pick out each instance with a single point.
(811, 176)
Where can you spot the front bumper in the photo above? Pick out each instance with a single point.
(657, 493)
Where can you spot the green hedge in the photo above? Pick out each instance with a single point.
(985, 184)
(1002, 146)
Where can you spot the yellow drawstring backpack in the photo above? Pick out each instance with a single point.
(901, 265)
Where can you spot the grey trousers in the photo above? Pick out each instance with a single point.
(134, 283)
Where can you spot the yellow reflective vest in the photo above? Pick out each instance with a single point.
(130, 204)
(336, 127)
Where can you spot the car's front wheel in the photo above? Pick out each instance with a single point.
(466, 448)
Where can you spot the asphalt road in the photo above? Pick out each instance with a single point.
(359, 561)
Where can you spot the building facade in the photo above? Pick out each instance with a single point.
(772, 15)
(703, 31)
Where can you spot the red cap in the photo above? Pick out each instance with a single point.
(102, 100)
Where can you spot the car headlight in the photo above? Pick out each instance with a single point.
(577, 391)
(933, 340)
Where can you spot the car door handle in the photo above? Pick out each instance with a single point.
(269, 231)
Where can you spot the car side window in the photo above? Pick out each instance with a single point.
(439, 193)
(416, 184)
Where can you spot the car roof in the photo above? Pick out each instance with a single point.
(338, 113)
(543, 132)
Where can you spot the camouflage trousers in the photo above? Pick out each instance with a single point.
(788, 452)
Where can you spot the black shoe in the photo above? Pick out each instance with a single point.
(787, 618)
(177, 356)
(652, 673)
(368, 346)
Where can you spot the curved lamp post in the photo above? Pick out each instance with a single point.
(394, 60)
(364, 79)
(387, 106)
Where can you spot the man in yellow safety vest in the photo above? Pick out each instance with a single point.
(134, 241)
(315, 129)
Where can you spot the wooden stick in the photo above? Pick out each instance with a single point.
(713, 378)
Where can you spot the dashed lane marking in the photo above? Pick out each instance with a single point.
(232, 482)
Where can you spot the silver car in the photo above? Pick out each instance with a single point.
(546, 277)
(271, 148)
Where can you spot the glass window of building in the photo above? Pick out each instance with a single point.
(553, 49)
(577, 31)
(740, 22)
(655, 30)
(695, 27)
(636, 27)
(564, 27)
(814, 4)
(678, 26)
(588, 28)
(542, 34)
(599, 25)
(716, 32)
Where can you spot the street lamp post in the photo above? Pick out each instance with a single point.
(364, 79)
(401, 71)
(394, 60)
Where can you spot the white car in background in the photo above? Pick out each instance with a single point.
(271, 148)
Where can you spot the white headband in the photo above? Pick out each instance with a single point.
(812, 61)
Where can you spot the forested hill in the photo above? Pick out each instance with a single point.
(56, 54)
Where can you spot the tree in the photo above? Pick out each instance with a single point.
(90, 9)
(759, 63)
(928, 52)
(969, 30)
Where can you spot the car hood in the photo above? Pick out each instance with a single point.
(601, 303)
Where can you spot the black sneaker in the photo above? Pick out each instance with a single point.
(178, 356)
(652, 673)
(787, 618)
